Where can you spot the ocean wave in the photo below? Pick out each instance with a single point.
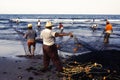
(99, 21)
(4, 21)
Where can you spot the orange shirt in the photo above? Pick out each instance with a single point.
(108, 27)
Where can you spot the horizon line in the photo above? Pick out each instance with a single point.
(53, 14)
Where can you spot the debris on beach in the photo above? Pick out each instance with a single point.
(88, 71)
(100, 65)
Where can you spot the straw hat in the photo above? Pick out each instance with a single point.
(29, 25)
(48, 24)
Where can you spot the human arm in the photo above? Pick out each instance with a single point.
(63, 34)
(25, 36)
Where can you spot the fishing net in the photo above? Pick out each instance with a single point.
(71, 45)
(93, 66)
(78, 44)
(88, 71)
(23, 41)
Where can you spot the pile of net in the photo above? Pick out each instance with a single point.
(88, 71)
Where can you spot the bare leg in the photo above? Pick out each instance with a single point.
(33, 50)
(29, 48)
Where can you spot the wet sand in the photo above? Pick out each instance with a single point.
(25, 68)
(15, 66)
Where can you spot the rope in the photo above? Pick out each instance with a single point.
(99, 37)
(21, 39)
(74, 68)
(116, 34)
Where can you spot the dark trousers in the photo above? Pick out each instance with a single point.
(50, 52)
(106, 37)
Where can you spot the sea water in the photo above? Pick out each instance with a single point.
(11, 43)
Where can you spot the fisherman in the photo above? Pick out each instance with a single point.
(17, 21)
(94, 27)
(108, 30)
(61, 27)
(50, 48)
(38, 24)
(30, 35)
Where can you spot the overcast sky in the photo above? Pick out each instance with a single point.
(60, 7)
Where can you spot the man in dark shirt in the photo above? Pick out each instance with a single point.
(30, 35)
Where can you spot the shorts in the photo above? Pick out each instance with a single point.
(31, 43)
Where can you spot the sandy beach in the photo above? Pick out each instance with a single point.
(14, 65)
(27, 68)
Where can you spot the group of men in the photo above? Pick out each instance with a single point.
(49, 47)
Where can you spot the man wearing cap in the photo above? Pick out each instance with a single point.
(30, 35)
(50, 48)
(108, 30)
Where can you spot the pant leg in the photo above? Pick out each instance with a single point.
(106, 38)
(46, 58)
(55, 58)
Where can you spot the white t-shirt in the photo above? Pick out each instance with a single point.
(48, 37)
(38, 24)
(94, 26)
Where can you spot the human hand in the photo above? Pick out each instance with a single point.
(70, 34)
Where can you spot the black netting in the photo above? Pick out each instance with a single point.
(72, 45)
(79, 44)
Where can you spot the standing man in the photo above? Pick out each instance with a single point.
(61, 27)
(38, 24)
(17, 21)
(30, 35)
(108, 30)
(94, 27)
(50, 48)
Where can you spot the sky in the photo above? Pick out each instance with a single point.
(60, 7)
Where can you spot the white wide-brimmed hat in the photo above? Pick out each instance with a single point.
(48, 24)
(29, 25)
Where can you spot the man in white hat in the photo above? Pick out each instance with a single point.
(50, 48)
(30, 35)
